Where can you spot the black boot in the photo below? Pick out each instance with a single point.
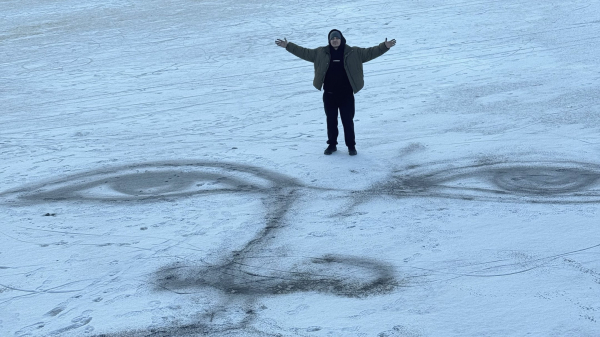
(330, 149)
(352, 151)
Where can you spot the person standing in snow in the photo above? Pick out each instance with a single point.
(339, 71)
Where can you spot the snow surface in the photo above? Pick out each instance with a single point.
(162, 170)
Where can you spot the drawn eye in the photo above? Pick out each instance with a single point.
(534, 182)
(155, 181)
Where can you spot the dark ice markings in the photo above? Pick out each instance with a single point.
(544, 181)
(153, 182)
(554, 182)
(339, 275)
(78, 322)
(55, 311)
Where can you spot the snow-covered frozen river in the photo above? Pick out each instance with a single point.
(162, 170)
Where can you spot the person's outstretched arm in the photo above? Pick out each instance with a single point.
(301, 52)
(367, 54)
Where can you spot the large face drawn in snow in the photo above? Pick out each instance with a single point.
(195, 248)
(225, 263)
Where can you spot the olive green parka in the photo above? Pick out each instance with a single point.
(354, 57)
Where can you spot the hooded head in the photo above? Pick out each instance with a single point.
(336, 34)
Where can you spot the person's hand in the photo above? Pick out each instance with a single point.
(281, 43)
(390, 44)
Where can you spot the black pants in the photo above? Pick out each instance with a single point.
(345, 104)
